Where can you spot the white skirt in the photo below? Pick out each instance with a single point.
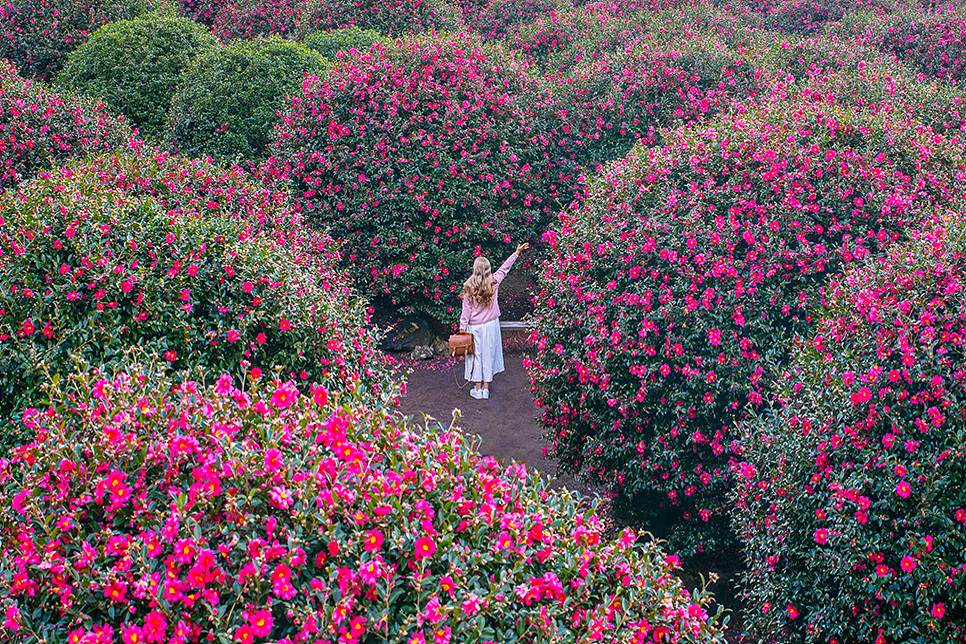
(488, 352)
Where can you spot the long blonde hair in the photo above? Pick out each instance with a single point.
(480, 285)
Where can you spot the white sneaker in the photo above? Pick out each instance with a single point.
(476, 393)
(486, 394)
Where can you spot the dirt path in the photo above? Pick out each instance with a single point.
(507, 422)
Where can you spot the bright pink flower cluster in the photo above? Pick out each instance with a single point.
(161, 513)
(865, 451)
(40, 128)
(934, 43)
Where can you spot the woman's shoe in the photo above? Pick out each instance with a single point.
(486, 394)
(476, 393)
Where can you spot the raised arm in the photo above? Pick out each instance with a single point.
(508, 264)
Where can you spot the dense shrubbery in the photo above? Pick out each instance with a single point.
(39, 128)
(199, 265)
(421, 155)
(620, 98)
(259, 512)
(330, 43)
(134, 66)
(667, 297)
(391, 17)
(851, 501)
(496, 17)
(226, 103)
(38, 35)
(936, 44)
(251, 18)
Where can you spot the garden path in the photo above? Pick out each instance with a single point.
(507, 422)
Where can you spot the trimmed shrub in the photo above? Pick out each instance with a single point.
(40, 128)
(134, 66)
(419, 156)
(394, 17)
(38, 35)
(497, 17)
(668, 296)
(850, 500)
(227, 101)
(261, 513)
(933, 43)
(252, 18)
(199, 265)
(330, 43)
(624, 97)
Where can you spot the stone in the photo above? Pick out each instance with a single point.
(421, 353)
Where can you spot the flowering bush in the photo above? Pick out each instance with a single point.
(933, 43)
(251, 18)
(134, 66)
(391, 17)
(330, 43)
(668, 295)
(39, 128)
(226, 103)
(255, 513)
(850, 501)
(617, 99)
(199, 265)
(419, 156)
(38, 35)
(496, 17)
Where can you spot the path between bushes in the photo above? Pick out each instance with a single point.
(507, 422)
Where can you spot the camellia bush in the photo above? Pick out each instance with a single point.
(496, 17)
(40, 128)
(263, 511)
(200, 265)
(850, 498)
(934, 43)
(38, 35)
(253, 18)
(330, 43)
(226, 103)
(134, 66)
(669, 294)
(419, 156)
(393, 17)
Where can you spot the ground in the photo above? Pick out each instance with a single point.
(507, 423)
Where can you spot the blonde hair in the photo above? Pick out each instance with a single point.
(480, 285)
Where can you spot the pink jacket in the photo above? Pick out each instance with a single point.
(476, 313)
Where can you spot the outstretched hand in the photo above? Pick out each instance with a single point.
(523, 246)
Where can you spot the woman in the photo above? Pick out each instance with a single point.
(481, 317)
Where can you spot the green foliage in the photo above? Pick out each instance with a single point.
(134, 66)
(850, 501)
(226, 103)
(201, 266)
(329, 43)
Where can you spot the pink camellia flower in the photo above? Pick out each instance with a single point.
(821, 536)
(281, 497)
(185, 295)
(273, 460)
(255, 373)
(260, 338)
(11, 618)
(792, 611)
(132, 634)
(938, 610)
(285, 325)
(284, 395)
(261, 622)
(908, 563)
(903, 489)
(471, 605)
(432, 614)
(372, 541)
(441, 635)
(425, 547)
(319, 396)
(223, 386)
(234, 336)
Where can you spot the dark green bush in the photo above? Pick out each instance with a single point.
(134, 66)
(38, 35)
(226, 101)
(390, 17)
(330, 43)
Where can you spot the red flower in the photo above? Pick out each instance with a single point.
(425, 547)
